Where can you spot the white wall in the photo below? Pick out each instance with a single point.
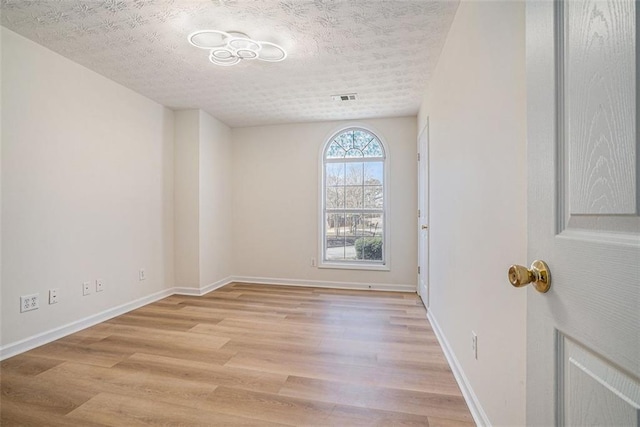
(0, 188)
(187, 198)
(476, 108)
(87, 190)
(215, 201)
(275, 204)
(202, 200)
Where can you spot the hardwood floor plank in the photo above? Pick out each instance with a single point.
(255, 334)
(444, 422)
(24, 414)
(81, 353)
(33, 392)
(375, 397)
(28, 365)
(125, 382)
(245, 354)
(115, 410)
(186, 348)
(301, 412)
(199, 371)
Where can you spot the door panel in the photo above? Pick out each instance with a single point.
(583, 342)
(594, 392)
(598, 89)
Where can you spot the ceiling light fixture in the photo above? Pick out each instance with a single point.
(229, 48)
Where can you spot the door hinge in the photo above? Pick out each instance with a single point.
(418, 156)
(418, 213)
(418, 269)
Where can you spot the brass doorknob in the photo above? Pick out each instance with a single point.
(538, 274)
(424, 227)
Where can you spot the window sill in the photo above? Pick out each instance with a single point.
(348, 266)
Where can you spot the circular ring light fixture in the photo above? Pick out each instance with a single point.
(208, 39)
(229, 48)
(271, 52)
(217, 57)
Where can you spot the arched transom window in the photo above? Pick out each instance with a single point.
(353, 205)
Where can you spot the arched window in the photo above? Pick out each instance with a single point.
(353, 200)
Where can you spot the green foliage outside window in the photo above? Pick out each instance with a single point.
(369, 248)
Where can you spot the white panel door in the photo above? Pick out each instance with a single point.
(583, 336)
(423, 214)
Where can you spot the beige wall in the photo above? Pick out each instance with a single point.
(275, 203)
(476, 108)
(86, 190)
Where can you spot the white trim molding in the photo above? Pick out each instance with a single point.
(46, 337)
(185, 290)
(478, 414)
(393, 287)
(43, 338)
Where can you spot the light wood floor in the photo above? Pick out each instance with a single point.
(243, 355)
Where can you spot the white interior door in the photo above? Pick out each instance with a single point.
(423, 214)
(583, 336)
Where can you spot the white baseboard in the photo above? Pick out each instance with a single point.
(26, 344)
(184, 290)
(478, 414)
(326, 284)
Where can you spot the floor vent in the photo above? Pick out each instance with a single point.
(345, 97)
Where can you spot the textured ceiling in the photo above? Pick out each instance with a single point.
(383, 50)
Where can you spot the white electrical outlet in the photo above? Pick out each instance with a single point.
(53, 296)
(86, 288)
(99, 285)
(29, 302)
(474, 344)
(142, 275)
(313, 262)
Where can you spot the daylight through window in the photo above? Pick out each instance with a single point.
(354, 199)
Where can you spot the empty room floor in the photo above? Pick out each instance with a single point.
(244, 354)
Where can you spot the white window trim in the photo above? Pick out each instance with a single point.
(386, 266)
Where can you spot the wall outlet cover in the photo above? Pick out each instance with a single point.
(29, 302)
(53, 296)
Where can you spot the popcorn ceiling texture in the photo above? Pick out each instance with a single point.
(383, 50)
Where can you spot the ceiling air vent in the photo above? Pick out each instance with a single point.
(345, 97)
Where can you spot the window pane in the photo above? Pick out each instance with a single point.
(374, 149)
(361, 139)
(353, 173)
(334, 173)
(335, 198)
(353, 197)
(344, 139)
(335, 151)
(373, 197)
(373, 173)
(369, 247)
(335, 237)
(372, 225)
(354, 152)
(351, 228)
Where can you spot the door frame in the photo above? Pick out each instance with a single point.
(423, 213)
